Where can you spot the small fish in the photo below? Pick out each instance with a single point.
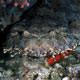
(64, 54)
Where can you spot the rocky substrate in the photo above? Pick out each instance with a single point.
(20, 68)
(30, 42)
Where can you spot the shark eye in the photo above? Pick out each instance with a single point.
(26, 33)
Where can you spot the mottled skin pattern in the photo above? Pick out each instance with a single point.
(38, 44)
(40, 47)
(45, 34)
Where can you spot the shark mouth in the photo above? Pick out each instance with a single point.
(42, 48)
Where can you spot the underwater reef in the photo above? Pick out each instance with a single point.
(40, 40)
